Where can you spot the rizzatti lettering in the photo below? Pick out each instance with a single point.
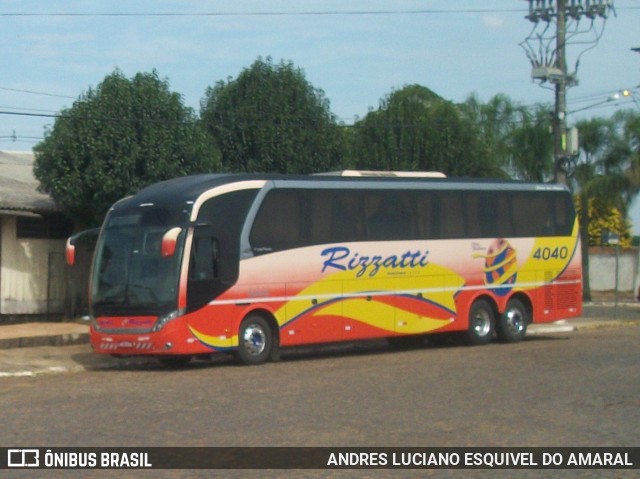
(341, 258)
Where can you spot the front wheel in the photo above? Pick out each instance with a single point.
(481, 323)
(512, 325)
(255, 340)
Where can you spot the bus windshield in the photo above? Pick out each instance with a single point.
(131, 275)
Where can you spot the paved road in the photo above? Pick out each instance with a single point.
(48, 357)
(568, 389)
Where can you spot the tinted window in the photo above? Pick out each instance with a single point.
(215, 250)
(292, 218)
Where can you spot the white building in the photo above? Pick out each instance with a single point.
(32, 240)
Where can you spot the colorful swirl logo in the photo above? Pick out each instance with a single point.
(500, 266)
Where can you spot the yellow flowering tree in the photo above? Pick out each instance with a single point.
(603, 217)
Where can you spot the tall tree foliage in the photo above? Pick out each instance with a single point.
(607, 165)
(271, 119)
(516, 136)
(415, 129)
(604, 174)
(116, 139)
(531, 144)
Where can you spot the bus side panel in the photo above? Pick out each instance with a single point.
(375, 289)
(312, 314)
(556, 263)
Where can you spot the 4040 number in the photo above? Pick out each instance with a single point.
(545, 254)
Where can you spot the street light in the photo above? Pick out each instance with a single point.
(614, 97)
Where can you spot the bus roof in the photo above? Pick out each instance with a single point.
(392, 174)
(189, 188)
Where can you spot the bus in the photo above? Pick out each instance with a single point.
(253, 263)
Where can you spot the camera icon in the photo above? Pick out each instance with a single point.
(23, 458)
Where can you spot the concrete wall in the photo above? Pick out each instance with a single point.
(602, 269)
(31, 273)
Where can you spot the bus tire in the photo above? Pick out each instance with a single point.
(255, 340)
(481, 323)
(512, 325)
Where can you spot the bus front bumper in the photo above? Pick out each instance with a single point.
(171, 340)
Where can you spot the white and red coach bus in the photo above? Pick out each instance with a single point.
(253, 263)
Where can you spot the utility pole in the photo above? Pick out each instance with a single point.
(549, 60)
(560, 113)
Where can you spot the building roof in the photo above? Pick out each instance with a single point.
(18, 186)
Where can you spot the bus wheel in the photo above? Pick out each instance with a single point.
(481, 323)
(255, 340)
(512, 325)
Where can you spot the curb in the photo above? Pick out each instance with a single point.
(69, 339)
(561, 326)
(29, 373)
(564, 326)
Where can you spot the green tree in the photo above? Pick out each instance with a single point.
(495, 123)
(606, 168)
(604, 175)
(516, 136)
(531, 145)
(415, 129)
(116, 139)
(271, 119)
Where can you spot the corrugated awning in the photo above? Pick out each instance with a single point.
(19, 193)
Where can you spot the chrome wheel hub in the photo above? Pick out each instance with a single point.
(514, 321)
(481, 323)
(254, 339)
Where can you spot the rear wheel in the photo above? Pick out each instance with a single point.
(255, 340)
(481, 323)
(512, 325)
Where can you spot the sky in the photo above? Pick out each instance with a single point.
(357, 52)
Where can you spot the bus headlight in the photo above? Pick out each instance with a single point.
(162, 320)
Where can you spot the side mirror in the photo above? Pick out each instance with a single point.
(170, 241)
(70, 252)
(70, 249)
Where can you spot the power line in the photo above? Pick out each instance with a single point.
(32, 92)
(37, 115)
(266, 13)
(30, 110)
(62, 116)
(429, 11)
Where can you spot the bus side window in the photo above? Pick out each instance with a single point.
(424, 214)
(451, 216)
(347, 217)
(389, 217)
(563, 218)
(204, 260)
(277, 224)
